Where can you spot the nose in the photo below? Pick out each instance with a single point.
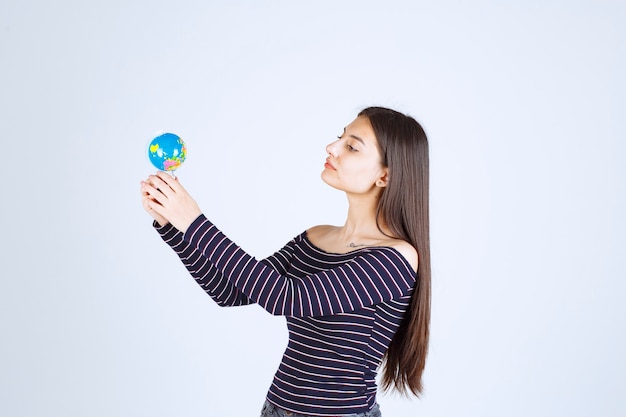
(332, 148)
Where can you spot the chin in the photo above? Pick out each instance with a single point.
(328, 181)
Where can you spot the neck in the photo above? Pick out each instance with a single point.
(360, 224)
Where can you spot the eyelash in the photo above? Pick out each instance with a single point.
(350, 147)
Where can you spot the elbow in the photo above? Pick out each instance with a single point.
(222, 303)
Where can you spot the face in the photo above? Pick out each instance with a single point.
(354, 162)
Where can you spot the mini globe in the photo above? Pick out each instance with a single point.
(167, 152)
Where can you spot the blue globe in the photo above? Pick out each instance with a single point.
(167, 152)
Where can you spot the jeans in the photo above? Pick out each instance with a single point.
(270, 410)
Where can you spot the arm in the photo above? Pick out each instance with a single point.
(202, 270)
(212, 281)
(377, 275)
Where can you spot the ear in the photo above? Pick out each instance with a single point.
(382, 181)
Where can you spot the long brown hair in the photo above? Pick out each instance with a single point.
(403, 207)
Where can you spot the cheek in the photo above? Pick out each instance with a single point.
(370, 174)
(364, 178)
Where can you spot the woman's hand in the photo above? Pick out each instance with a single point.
(165, 199)
(145, 202)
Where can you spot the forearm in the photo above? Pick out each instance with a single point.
(210, 279)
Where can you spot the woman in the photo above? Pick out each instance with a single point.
(354, 296)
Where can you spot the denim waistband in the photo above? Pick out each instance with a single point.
(270, 410)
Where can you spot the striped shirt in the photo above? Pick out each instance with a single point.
(342, 310)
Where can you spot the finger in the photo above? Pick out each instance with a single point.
(172, 182)
(143, 187)
(160, 185)
(148, 187)
(157, 208)
(145, 203)
(148, 199)
(166, 178)
(153, 193)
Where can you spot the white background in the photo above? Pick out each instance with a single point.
(523, 103)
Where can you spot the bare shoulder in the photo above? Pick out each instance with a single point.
(407, 250)
(324, 237)
(317, 232)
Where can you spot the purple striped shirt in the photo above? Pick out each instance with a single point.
(342, 310)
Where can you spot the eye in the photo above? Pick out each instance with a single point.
(351, 148)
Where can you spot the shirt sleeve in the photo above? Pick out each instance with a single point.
(374, 276)
(208, 277)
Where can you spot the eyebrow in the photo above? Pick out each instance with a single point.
(358, 138)
(355, 137)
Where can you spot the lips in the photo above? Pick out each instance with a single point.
(328, 165)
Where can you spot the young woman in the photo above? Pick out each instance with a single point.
(354, 296)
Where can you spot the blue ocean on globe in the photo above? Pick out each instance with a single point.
(167, 152)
